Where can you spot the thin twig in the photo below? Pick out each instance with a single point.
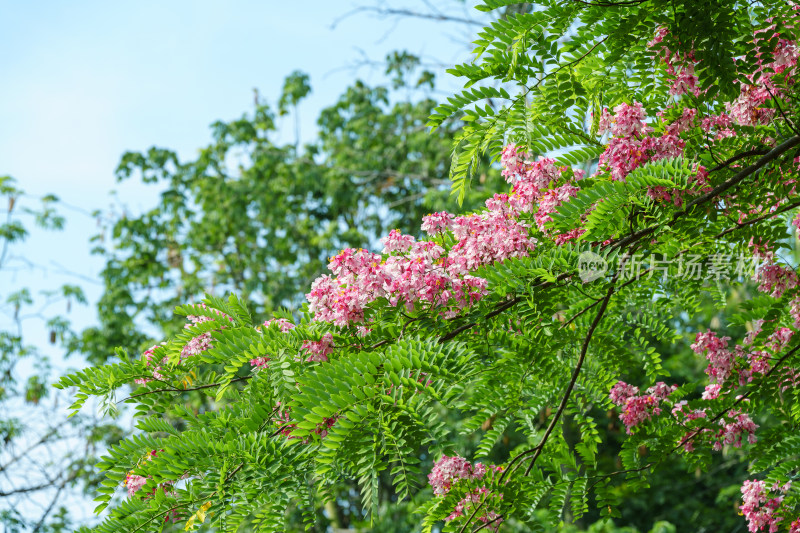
(206, 386)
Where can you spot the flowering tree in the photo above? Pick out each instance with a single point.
(652, 155)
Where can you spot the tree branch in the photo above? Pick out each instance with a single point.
(200, 387)
(716, 191)
(537, 450)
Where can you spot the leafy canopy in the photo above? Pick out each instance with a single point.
(559, 312)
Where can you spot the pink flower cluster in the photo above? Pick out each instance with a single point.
(539, 187)
(740, 363)
(202, 342)
(775, 279)
(638, 408)
(720, 358)
(721, 123)
(738, 366)
(419, 272)
(779, 339)
(734, 426)
(680, 66)
(632, 145)
(133, 483)
(759, 506)
(794, 311)
(761, 250)
(748, 108)
(451, 470)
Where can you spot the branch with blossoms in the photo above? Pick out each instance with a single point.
(708, 424)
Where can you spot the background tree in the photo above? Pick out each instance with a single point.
(42, 458)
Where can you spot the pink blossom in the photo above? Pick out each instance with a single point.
(751, 335)
(720, 359)
(631, 144)
(476, 497)
(450, 470)
(621, 391)
(759, 364)
(779, 339)
(661, 390)
(551, 199)
(775, 279)
(134, 482)
(283, 324)
(513, 161)
(685, 81)
(747, 109)
(712, 391)
(629, 121)
(397, 242)
(734, 427)
(794, 311)
(447, 471)
(688, 416)
(661, 33)
(568, 236)
(606, 122)
(637, 409)
(437, 223)
(197, 345)
(202, 342)
(683, 123)
(722, 122)
(785, 56)
(758, 507)
(486, 238)
(761, 249)
(542, 173)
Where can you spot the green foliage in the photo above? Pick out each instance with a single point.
(520, 378)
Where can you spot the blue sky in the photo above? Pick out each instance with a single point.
(82, 82)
